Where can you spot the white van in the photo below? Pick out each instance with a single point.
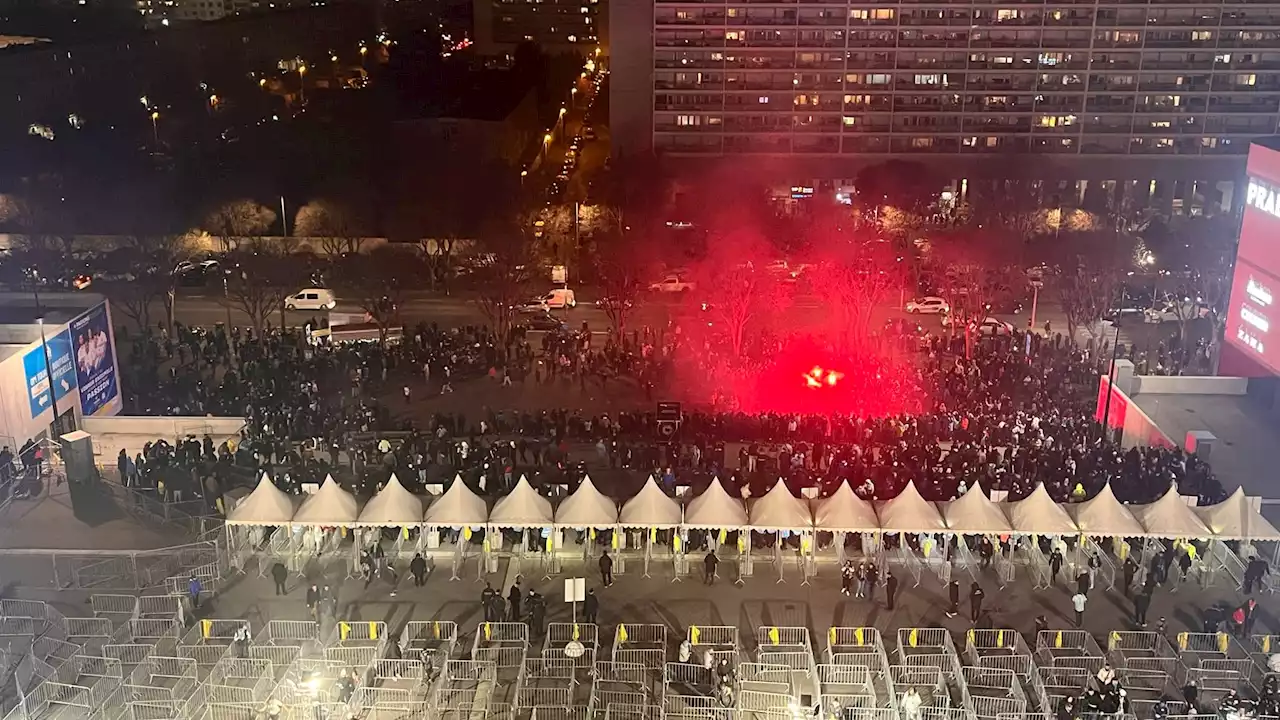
(557, 299)
(311, 299)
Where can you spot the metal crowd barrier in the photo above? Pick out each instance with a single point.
(641, 644)
(1068, 649)
(431, 641)
(240, 680)
(1000, 648)
(1141, 650)
(465, 687)
(625, 689)
(994, 692)
(137, 639)
(208, 641)
(560, 635)
(281, 642)
(159, 679)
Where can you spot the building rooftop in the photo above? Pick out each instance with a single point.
(1247, 432)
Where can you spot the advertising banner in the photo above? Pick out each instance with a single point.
(64, 372)
(94, 361)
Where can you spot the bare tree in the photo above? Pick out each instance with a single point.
(378, 282)
(740, 293)
(258, 283)
(335, 227)
(1092, 264)
(854, 279)
(237, 220)
(437, 255)
(505, 274)
(623, 268)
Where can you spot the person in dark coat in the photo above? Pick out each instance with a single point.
(513, 600)
(280, 574)
(418, 568)
(953, 594)
(709, 565)
(890, 589)
(975, 602)
(591, 605)
(606, 569)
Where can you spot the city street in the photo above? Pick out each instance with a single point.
(805, 312)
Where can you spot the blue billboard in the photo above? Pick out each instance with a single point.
(95, 363)
(64, 372)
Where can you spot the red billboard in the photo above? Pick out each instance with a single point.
(1256, 281)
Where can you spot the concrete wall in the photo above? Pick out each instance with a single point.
(131, 433)
(1138, 429)
(1170, 385)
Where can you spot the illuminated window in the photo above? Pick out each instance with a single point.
(850, 121)
(1002, 60)
(680, 14)
(991, 141)
(1160, 123)
(928, 79)
(882, 14)
(1164, 142)
(853, 79)
(879, 79)
(764, 100)
(1246, 79)
(1222, 57)
(733, 35)
(922, 142)
(855, 99)
(732, 12)
(1003, 14)
(1128, 37)
(687, 120)
(1201, 35)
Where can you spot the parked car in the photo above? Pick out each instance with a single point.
(671, 284)
(929, 305)
(544, 321)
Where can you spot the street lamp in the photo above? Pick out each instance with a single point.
(155, 129)
(1111, 380)
(302, 85)
(48, 365)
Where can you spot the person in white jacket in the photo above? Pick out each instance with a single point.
(911, 704)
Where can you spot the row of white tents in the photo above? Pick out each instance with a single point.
(778, 510)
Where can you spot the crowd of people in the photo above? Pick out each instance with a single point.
(998, 417)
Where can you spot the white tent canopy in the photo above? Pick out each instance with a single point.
(1103, 515)
(587, 507)
(393, 506)
(715, 509)
(650, 508)
(266, 505)
(457, 507)
(910, 513)
(1169, 517)
(845, 512)
(523, 507)
(974, 514)
(1235, 519)
(330, 505)
(1038, 514)
(778, 509)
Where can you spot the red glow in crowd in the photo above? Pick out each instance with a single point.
(867, 383)
(816, 377)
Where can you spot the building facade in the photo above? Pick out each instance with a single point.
(1094, 90)
(557, 26)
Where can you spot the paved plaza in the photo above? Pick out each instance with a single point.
(141, 656)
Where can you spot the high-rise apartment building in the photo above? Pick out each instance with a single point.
(557, 26)
(1163, 90)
